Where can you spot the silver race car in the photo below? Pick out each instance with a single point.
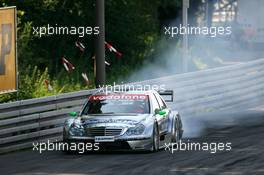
(137, 120)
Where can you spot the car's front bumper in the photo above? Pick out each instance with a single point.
(120, 143)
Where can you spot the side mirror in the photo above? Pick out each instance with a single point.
(157, 111)
(73, 114)
(162, 112)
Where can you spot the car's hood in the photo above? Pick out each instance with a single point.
(114, 119)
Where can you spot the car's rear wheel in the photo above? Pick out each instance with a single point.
(175, 133)
(155, 137)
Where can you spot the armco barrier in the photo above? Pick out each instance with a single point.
(224, 88)
(28, 121)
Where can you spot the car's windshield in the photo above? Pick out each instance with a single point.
(117, 103)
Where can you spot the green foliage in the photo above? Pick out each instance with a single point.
(133, 27)
(32, 85)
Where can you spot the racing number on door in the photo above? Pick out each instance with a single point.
(6, 37)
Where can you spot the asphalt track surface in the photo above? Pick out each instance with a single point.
(245, 131)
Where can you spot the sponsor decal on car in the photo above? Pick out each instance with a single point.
(125, 121)
(104, 139)
(119, 97)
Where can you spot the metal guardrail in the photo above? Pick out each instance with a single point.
(225, 88)
(36, 120)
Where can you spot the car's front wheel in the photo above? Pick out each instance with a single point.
(66, 148)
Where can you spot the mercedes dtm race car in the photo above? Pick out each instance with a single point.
(137, 120)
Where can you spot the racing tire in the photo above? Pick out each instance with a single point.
(68, 151)
(176, 133)
(156, 140)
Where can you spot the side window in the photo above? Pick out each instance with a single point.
(155, 103)
(160, 101)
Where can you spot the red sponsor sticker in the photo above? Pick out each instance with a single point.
(119, 97)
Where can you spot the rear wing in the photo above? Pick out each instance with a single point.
(167, 95)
